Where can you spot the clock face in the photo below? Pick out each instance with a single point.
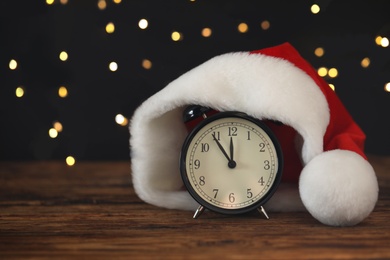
(231, 163)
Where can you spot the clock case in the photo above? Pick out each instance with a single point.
(196, 117)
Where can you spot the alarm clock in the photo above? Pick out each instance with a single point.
(230, 162)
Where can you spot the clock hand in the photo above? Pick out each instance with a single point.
(220, 147)
(232, 164)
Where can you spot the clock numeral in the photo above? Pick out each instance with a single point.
(261, 181)
(204, 147)
(217, 135)
(249, 193)
(232, 131)
(197, 164)
(202, 180)
(215, 192)
(262, 147)
(231, 197)
(266, 165)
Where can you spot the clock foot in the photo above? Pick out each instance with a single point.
(198, 212)
(262, 210)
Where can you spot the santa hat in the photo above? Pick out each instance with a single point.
(326, 171)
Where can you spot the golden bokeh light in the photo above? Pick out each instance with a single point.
(319, 52)
(143, 24)
(113, 66)
(63, 56)
(206, 32)
(70, 160)
(387, 87)
(322, 71)
(315, 9)
(117, 1)
(242, 28)
(384, 42)
(333, 72)
(110, 27)
(64, 2)
(332, 87)
(53, 133)
(365, 63)
(19, 92)
(121, 120)
(146, 64)
(265, 25)
(176, 36)
(49, 2)
(102, 4)
(58, 126)
(62, 92)
(13, 64)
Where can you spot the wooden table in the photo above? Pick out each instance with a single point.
(90, 210)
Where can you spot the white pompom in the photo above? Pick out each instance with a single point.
(339, 188)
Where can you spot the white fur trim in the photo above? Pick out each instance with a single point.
(339, 188)
(259, 85)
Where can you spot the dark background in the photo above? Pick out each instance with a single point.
(34, 33)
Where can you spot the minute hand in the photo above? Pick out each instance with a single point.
(220, 147)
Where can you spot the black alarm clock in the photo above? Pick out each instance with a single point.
(230, 162)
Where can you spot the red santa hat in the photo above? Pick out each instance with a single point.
(326, 171)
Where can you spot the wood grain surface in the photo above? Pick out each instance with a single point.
(90, 211)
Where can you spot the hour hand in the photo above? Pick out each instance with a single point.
(231, 163)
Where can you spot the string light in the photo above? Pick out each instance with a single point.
(378, 40)
(387, 87)
(176, 36)
(110, 28)
(332, 87)
(242, 27)
(206, 32)
(70, 160)
(315, 9)
(19, 92)
(333, 72)
(64, 2)
(146, 64)
(365, 62)
(319, 52)
(117, 1)
(62, 92)
(53, 133)
(102, 4)
(384, 42)
(121, 120)
(63, 55)
(49, 2)
(13, 64)
(58, 126)
(113, 66)
(322, 71)
(143, 24)
(265, 25)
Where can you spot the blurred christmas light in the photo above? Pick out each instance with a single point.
(365, 62)
(62, 92)
(57, 126)
(70, 160)
(63, 56)
(319, 52)
(265, 25)
(322, 71)
(387, 87)
(242, 27)
(64, 2)
(117, 1)
(102, 4)
(13, 64)
(19, 92)
(176, 36)
(113, 66)
(53, 133)
(378, 40)
(333, 72)
(384, 42)
(206, 32)
(146, 64)
(332, 87)
(121, 120)
(110, 27)
(143, 24)
(49, 2)
(315, 9)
